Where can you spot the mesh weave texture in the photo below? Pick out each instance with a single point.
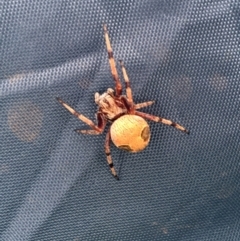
(55, 184)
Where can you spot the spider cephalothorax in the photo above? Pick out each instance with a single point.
(109, 105)
(128, 129)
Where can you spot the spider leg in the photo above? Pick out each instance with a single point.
(160, 119)
(87, 132)
(112, 63)
(79, 116)
(101, 125)
(126, 104)
(108, 154)
(144, 104)
(128, 87)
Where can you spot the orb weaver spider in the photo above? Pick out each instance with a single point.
(128, 130)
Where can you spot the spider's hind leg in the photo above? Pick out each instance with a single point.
(101, 125)
(83, 118)
(108, 155)
(88, 132)
(162, 120)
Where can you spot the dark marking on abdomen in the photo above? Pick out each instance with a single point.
(125, 148)
(145, 133)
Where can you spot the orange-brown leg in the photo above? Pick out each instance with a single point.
(127, 86)
(101, 125)
(144, 104)
(80, 116)
(112, 63)
(108, 155)
(162, 120)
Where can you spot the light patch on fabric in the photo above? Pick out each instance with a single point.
(25, 121)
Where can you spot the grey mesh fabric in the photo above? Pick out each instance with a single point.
(56, 184)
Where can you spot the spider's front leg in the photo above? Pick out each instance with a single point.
(112, 63)
(128, 87)
(95, 129)
(162, 120)
(108, 155)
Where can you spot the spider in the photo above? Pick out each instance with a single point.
(128, 129)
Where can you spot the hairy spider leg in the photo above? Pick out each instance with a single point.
(143, 104)
(101, 125)
(108, 155)
(112, 63)
(126, 104)
(79, 116)
(128, 87)
(162, 120)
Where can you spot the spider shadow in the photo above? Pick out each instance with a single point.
(120, 165)
(120, 161)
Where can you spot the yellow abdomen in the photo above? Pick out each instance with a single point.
(130, 133)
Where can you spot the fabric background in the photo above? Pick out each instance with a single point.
(55, 184)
